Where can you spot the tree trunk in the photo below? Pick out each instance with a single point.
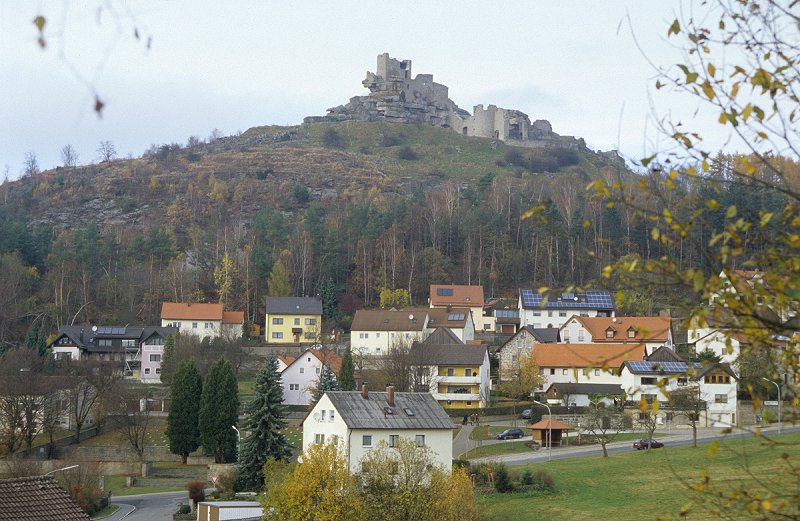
(605, 450)
(184, 457)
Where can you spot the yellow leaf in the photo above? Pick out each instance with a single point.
(675, 28)
(654, 233)
(656, 406)
(643, 406)
(708, 90)
(731, 212)
(711, 69)
(39, 22)
(766, 505)
(746, 111)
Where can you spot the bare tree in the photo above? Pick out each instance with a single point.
(606, 418)
(106, 151)
(90, 385)
(31, 164)
(69, 156)
(648, 421)
(688, 402)
(132, 416)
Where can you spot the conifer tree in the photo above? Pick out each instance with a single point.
(169, 361)
(327, 382)
(219, 408)
(265, 423)
(182, 423)
(278, 284)
(347, 381)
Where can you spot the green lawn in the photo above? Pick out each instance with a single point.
(639, 485)
(496, 449)
(116, 485)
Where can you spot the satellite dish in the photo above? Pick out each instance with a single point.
(94, 328)
(575, 299)
(411, 317)
(317, 416)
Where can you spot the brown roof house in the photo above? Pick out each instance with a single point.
(584, 363)
(301, 376)
(521, 345)
(202, 320)
(38, 498)
(376, 331)
(445, 296)
(653, 332)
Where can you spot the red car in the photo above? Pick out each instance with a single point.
(647, 442)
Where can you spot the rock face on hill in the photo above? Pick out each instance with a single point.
(397, 97)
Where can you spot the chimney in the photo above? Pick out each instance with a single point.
(390, 395)
(364, 391)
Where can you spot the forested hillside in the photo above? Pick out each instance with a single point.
(349, 208)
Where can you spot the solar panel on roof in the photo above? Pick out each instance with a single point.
(455, 316)
(444, 292)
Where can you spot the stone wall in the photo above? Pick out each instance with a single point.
(110, 453)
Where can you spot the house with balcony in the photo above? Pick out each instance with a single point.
(296, 320)
(505, 313)
(663, 371)
(554, 309)
(359, 420)
(202, 320)
(653, 332)
(301, 376)
(136, 350)
(584, 363)
(456, 374)
(375, 331)
(445, 296)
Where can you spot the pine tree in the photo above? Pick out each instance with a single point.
(327, 293)
(182, 423)
(278, 284)
(347, 380)
(327, 382)
(219, 409)
(169, 362)
(265, 423)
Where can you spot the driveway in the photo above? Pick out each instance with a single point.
(148, 507)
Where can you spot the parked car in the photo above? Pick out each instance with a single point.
(645, 442)
(526, 414)
(510, 434)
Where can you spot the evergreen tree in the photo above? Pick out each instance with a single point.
(327, 294)
(182, 423)
(219, 409)
(265, 423)
(36, 339)
(169, 362)
(278, 284)
(347, 381)
(327, 382)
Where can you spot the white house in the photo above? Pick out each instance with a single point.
(458, 320)
(663, 372)
(202, 320)
(374, 331)
(583, 363)
(726, 345)
(359, 420)
(653, 332)
(302, 375)
(445, 296)
(554, 310)
(577, 395)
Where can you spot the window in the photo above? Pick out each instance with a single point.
(717, 378)
(302, 370)
(580, 335)
(146, 370)
(562, 313)
(194, 325)
(537, 313)
(319, 438)
(720, 398)
(631, 333)
(363, 335)
(609, 333)
(467, 372)
(128, 343)
(549, 313)
(566, 337)
(366, 440)
(323, 415)
(552, 371)
(277, 321)
(451, 371)
(294, 387)
(297, 322)
(649, 381)
(565, 371)
(420, 439)
(331, 417)
(650, 398)
(682, 381)
(155, 358)
(317, 370)
(311, 321)
(209, 325)
(277, 334)
(310, 335)
(377, 335)
(158, 370)
(104, 342)
(597, 372)
(394, 439)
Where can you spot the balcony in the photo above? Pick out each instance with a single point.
(458, 380)
(457, 397)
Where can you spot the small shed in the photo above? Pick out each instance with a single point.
(541, 431)
(229, 511)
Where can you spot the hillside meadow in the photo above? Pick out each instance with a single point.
(643, 485)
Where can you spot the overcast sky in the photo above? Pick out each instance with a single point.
(235, 65)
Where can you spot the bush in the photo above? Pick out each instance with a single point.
(184, 509)
(543, 480)
(514, 157)
(392, 140)
(300, 192)
(407, 154)
(527, 478)
(331, 138)
(227, 483)
(566, 157)
(502, 481)
(197, 490)
(462, 463)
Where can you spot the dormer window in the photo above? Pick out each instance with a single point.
(610, 332)
(631, 333)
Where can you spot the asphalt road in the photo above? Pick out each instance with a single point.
(149, 507)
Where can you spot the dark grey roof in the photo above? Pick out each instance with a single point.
(664, 354)
(452, 354)
(294, 306)
(545, 335)
(442, 335)
(707, 368)
(86, 338)
(661, 368)
(583, 388)
(37, 499)
(370, 413)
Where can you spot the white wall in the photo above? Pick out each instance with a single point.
(595, 375)
(185, 327)
(378, 342)
(440, 442)
(299, 377)
(716, 341)
(315, 424)
(539, 318)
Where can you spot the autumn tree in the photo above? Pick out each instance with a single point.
(266, 420)
(520, 379)
(279, 284)
(397, 298)
(183, 431)
(219, 411)
(224, 277)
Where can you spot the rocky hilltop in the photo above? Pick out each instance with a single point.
(396, 97)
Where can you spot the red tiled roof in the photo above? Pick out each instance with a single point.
(649, 329)
(586, 355)
(181, 311)
(233, 317)
(470, 296)
(546, 424)
(37, 499)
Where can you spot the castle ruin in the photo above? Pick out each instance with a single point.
(397, 97)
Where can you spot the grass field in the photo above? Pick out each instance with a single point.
(638, 485)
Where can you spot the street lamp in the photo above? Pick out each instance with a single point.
(238, 441)
(61, 469)
(549, 431)
(778, 387)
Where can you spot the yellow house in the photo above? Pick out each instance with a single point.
(295, 320)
